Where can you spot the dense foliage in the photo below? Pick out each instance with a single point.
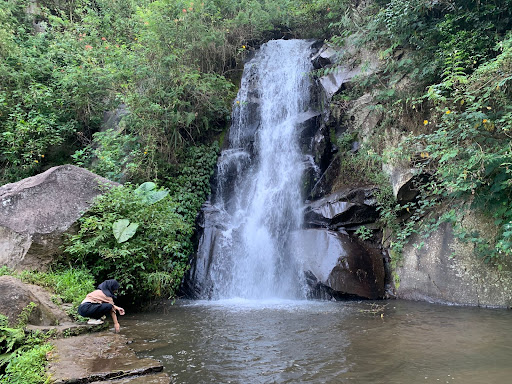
(445, 85)
(169, 64)
(143, 236)
(22, 356)
(167, 72)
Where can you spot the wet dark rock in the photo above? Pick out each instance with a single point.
(231, 164)
(308, 125)
(197, 283)
(246, 114)
(37, 212)
(100, 357)
(324, 184)
(344, 208)
(337, 265)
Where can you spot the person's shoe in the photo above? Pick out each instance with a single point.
(95, 322)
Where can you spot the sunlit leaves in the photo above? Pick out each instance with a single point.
(124, 230)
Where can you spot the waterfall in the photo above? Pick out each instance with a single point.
(258, 188)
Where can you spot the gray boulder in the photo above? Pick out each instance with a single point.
(16, 296)
(447, 271)
(36, 212)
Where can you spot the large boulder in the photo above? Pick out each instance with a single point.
(15, 296)
(36, 213)
(337, 265)
(447, 271)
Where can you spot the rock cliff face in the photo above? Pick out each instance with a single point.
(444, 270)
(336, 264)
(36, 213)
(447, 271)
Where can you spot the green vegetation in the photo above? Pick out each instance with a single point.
(160, 245)
(170, 63)
(69, 285)
(143, 236)
(445, 85)
(22, 356)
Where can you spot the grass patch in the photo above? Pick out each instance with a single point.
(69, 285)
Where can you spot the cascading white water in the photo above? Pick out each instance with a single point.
(259, 193)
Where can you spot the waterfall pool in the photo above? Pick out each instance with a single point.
(383, 342)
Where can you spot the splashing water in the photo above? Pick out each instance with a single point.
(259, 179)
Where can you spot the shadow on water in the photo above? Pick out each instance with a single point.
(239, 341)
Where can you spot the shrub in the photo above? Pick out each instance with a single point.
(22, 356)
(161, 243)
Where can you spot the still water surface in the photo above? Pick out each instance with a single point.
(237, 341)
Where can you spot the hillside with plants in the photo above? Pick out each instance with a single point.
(169, 70)
(444, 89)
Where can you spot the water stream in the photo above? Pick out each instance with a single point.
(243, 341)
(256, 326)
(259, 178)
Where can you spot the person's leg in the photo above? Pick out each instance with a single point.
(94, 310)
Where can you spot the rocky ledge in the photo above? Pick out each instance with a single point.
(101, 358)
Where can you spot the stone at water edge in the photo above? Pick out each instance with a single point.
(334, 261)
(447, 271)
(97, 357)
(159, 378)
(15, 296)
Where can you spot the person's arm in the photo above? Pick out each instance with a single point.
(121, 310)
(114, 319)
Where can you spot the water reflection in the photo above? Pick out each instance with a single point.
(240, 341)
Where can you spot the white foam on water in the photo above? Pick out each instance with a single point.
(262, 196)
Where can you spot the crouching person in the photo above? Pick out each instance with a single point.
(100, 303)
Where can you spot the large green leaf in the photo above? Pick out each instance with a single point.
(154, 197)
(145, 188)
(148, 194)
(124, 230)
